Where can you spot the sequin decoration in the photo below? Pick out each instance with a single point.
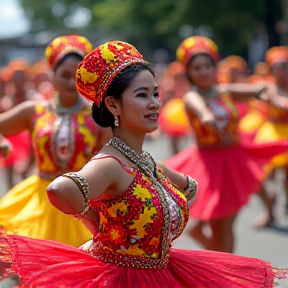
(64, 45)
(82, 140)
(195, 45)
(101, 66)
(130, 231)
(224, 133)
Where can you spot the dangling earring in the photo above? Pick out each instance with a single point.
(116, 120)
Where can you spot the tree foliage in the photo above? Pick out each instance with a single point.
(159, 24)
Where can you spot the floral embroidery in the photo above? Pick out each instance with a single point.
(84, 141)
(118, 209)
(141, 193)
(132, 223)
(227, 118)
(144, 220)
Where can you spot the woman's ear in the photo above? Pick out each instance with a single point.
(112, 105)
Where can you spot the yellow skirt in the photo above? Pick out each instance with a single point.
(270, 132)
(26, 210)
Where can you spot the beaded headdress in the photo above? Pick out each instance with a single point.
(63, 45)
(276, 55)
(194, 45)
(98, 69)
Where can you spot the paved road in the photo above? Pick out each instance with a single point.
(268, 244)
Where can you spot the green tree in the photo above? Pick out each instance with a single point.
(155, 24)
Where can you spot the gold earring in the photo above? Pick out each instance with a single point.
(116, 120)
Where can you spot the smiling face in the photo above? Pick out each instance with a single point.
(139, 106)
(64, 78)
(201, 71)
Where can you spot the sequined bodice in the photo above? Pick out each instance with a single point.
(224, 133)
(137, 228)
(63, 142)
(277, 114)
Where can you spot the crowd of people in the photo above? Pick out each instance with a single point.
(82, 115)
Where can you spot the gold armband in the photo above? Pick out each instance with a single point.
(84, 188)
(191, 190)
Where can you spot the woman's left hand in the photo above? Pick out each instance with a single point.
(86, 246)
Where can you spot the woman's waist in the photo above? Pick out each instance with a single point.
(130, 257)
(222, 141)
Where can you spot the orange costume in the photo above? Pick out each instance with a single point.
(218, 160)
(276, 126)
(64, 140)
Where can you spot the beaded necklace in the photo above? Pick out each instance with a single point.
(64, 114)
(144, 161)
(56, 107)
(213, 92)
(146, 164)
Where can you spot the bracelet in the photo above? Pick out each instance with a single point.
(191, 189)
(84, 188)
(261, 90)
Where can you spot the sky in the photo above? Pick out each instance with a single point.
(12, 20)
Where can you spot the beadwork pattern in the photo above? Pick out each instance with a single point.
(130, 228)
(82, 131)
(224, 133)
(64, 45)
(195, 45)
(101, 66)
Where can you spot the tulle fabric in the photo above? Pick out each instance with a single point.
(26, 209)
(226, 176)
(48, 264)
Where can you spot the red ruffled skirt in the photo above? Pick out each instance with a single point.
(226, 177)
(48, 264)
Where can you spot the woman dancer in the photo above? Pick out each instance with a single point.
(228, 171)
(127, 201)
(21, 157)
(275, 128)
(65, 138)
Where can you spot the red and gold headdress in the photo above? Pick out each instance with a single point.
(277, 54)
(194, 45)
(63, 45)
(98, 69)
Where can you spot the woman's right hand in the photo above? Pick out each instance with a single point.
(5, 147)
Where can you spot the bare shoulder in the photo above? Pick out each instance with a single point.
(194, 101)
(106, 172)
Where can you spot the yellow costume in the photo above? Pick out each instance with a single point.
(62, 142)
(277, 125)
(275, 129)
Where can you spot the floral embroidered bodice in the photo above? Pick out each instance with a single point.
(137, 228)
(224, 133)
(63, 142)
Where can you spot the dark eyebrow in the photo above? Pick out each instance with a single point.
(145, 88)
